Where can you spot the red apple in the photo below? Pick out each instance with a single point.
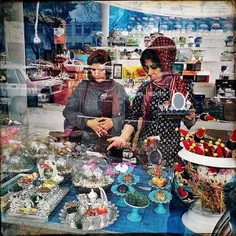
(152, 139)
(101, 210)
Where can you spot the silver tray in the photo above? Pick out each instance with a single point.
(5, 169)
(10, 183)
(95, 221)
(36, 218)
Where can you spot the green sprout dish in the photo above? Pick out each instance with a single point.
(137, 199)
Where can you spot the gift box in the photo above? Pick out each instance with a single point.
(194, 65)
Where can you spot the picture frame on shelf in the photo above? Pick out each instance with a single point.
(117, 71)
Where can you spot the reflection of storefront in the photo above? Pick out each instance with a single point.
(208, 39)
(36, 94)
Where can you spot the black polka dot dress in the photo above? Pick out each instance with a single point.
(157, 125)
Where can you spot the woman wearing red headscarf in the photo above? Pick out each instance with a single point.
(157, 61)
(97, 106)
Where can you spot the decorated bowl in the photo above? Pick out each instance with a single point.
(201, 183)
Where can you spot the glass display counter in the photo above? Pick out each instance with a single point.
(60, 164)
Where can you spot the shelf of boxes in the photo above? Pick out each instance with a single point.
(212, 47)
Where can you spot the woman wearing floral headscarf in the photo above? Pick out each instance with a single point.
(97, 106)
(157, 61)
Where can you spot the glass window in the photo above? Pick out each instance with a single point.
(78, 29)
(20, 77)
(40, 30)
(96, 27)
(32, 28)
(78, 45)
(69, 45)
(68, 31)
(87, 29)
(11, 77)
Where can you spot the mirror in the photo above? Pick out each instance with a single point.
(155, 157)
(72, 55)
(178, 101)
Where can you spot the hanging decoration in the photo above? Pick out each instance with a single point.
(36, 37)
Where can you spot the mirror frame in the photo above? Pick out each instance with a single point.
(172, 101)
(160, 156)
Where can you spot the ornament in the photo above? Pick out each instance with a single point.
(199, 135)
(182, 131)
(231, 144)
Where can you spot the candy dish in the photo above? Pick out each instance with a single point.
(88, 223)
(90, 212)
(43, 191)
(118, 190)
(163, 173)
(49, 183)
(27, 180)
(123, 168)
(35, 204)
(58, 179)
(165, 197)
(133, 179)
(84, 185)
(160, 185)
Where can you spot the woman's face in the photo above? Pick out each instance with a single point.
(153, 70)
(98, 72)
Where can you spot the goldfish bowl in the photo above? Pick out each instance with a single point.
(201, 186)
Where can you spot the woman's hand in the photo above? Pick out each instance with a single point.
(105, 124)
(116, 142)
(95, 125)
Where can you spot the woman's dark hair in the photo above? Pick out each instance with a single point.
(100, 57)
(149, 54)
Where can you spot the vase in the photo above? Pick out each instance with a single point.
(198, 41)
(182, 41)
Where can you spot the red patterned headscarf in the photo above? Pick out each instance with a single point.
(166, 51)
(165, 48)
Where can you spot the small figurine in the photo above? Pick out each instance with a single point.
(190, 41)
(92, 196)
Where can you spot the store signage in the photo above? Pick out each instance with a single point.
(59, 35)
